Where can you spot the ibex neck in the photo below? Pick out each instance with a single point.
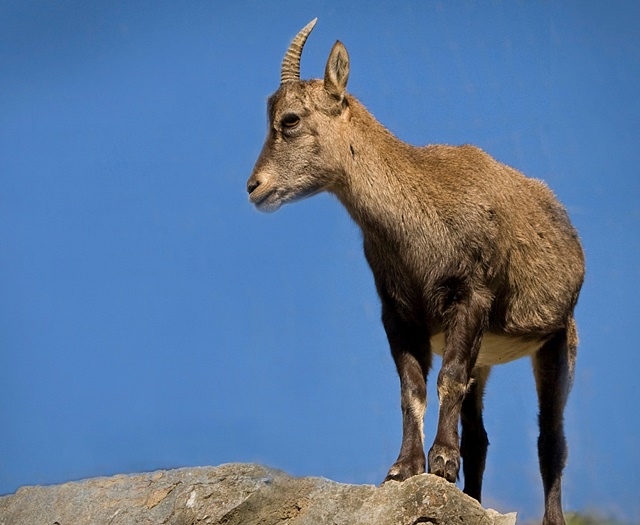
(377, 190)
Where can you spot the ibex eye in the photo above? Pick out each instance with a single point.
(290, 120)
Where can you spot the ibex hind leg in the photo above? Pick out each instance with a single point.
(474, 442)
(553, 368)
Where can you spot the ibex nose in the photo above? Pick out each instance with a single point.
(252, 184)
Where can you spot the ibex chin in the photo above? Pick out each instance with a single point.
(471, 259)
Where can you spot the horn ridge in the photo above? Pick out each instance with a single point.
(291, 61)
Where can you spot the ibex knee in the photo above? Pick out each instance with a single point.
(452, 385)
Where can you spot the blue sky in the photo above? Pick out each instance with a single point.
(151, 318)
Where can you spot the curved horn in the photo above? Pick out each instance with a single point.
(291, 61)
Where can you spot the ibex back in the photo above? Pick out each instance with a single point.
(471, 259)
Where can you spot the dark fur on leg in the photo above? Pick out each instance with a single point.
(553, 368)
(466, 318)
(474, 442)
(410, 349)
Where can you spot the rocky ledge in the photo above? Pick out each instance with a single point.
(243, 494)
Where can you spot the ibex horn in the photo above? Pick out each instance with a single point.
(291, 62)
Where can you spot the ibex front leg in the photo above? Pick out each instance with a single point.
(410, 349)
(463, 336)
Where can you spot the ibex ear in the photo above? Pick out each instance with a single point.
(336, 73)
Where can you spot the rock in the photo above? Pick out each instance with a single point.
(243, 494)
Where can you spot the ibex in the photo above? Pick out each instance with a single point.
(471, 259)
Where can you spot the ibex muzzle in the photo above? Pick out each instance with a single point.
(472, 261)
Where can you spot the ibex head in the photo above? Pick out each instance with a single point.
(304, 149)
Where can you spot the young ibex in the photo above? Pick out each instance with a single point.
(471, 259)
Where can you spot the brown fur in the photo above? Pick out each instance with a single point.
(459, 244)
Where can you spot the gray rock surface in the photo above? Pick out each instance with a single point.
(242, 494)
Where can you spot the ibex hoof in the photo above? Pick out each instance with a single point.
(444, 462)
(406, 468)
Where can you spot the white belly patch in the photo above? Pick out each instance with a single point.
(496, 349)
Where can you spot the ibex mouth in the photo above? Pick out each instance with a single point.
(264, 201)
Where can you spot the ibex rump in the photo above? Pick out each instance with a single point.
(471, 259)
